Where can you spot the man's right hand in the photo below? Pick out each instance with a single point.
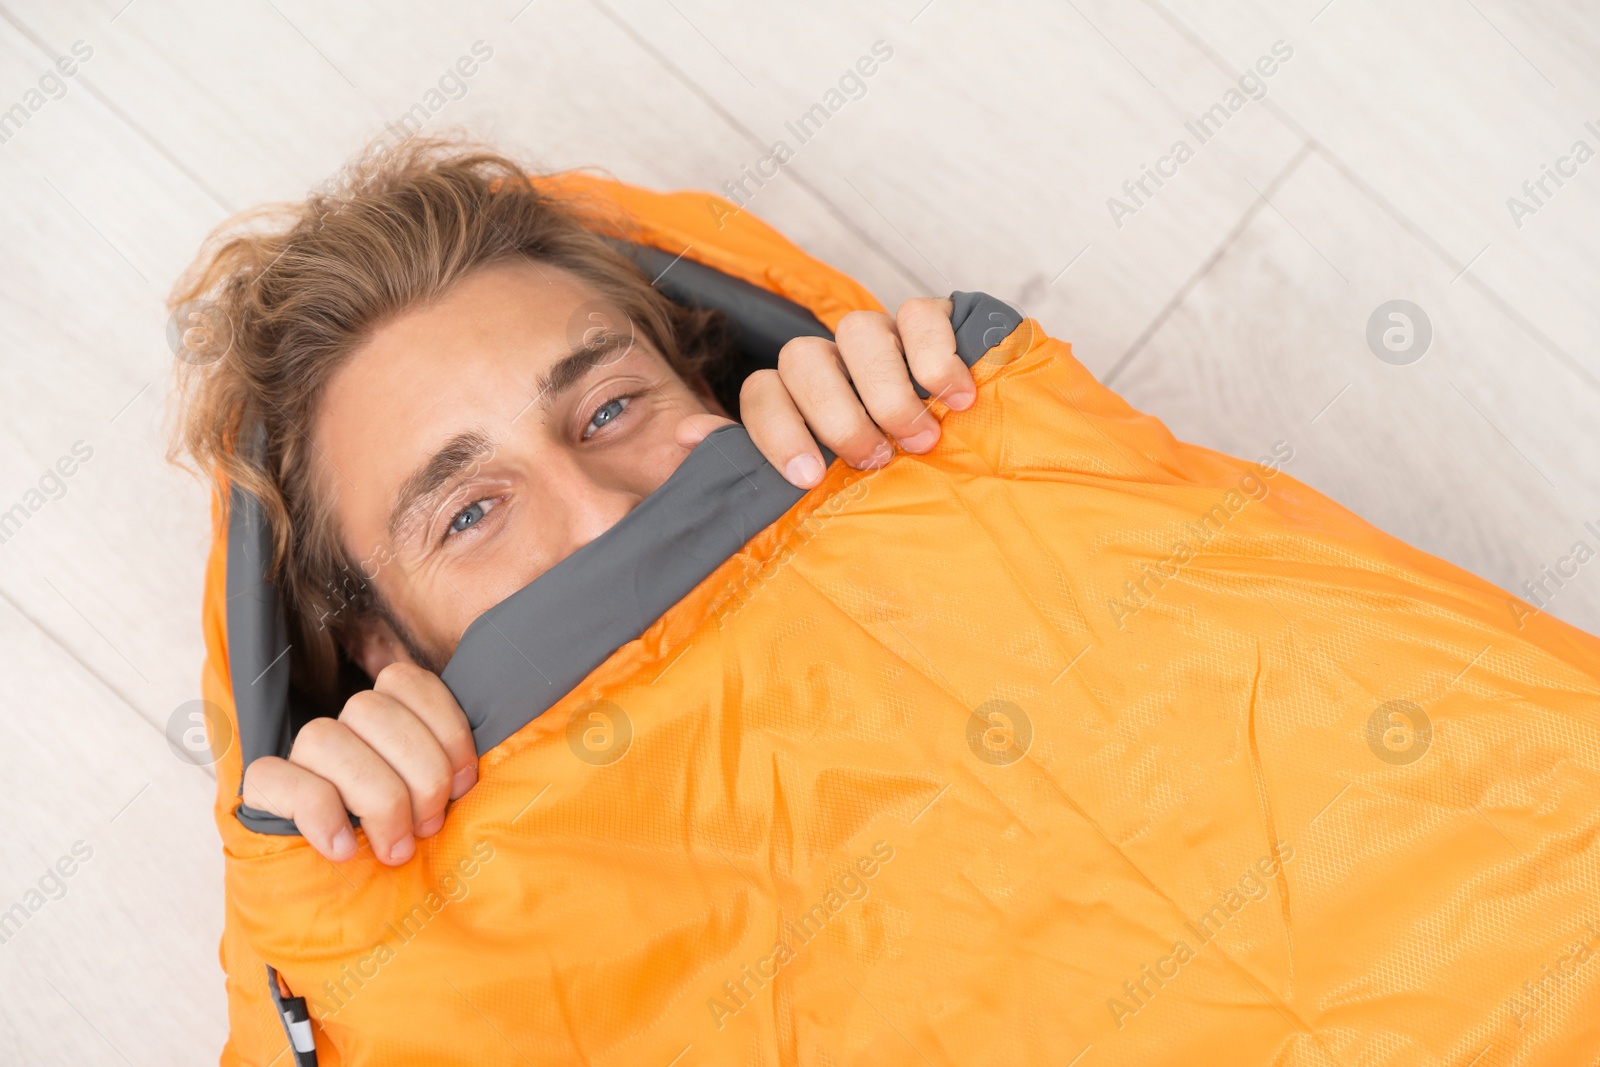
(395, 756)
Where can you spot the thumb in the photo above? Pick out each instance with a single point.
(695, 428)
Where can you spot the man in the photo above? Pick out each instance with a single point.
(1062, 735)
(459, 386)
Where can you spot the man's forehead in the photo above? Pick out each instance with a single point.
(422, 357)
(517, 296)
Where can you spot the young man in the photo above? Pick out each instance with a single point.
(457, 386)
(1172, 756)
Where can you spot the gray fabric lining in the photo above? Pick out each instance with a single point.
(531, 649)
(257, 641)
(763, 321)
(257, 635)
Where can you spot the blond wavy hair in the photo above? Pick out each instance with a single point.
(279, 296)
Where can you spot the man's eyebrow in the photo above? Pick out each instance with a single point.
(570, 368)
(458, 453)
(466, 448)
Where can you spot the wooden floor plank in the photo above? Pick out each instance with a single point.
(112, 215)
(983, 154)
(1481, 451)
(112, 958)
(107, 557)
(1445, 109)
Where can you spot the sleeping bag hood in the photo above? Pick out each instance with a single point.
(1066, 743)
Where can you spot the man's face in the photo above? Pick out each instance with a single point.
(474, 442)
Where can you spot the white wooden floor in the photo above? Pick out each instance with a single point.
(1232, 303)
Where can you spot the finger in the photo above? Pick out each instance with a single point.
(431, 701)
(399, 737)
(368, 787)
(277, 786)
(778, 429)
(870, 348)
(696, 428)
(812, 372)
(930, 348)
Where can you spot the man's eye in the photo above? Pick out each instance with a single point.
(606, 413)
(469, 516)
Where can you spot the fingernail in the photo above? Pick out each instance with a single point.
(804, 470)
(431, 827)
(920, 442)
(960, 401)
(464, 779)
(403, 849)
(343, 844)
(881, 455)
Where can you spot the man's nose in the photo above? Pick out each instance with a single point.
(588, 503)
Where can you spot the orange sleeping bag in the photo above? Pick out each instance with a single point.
(1066, 743)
